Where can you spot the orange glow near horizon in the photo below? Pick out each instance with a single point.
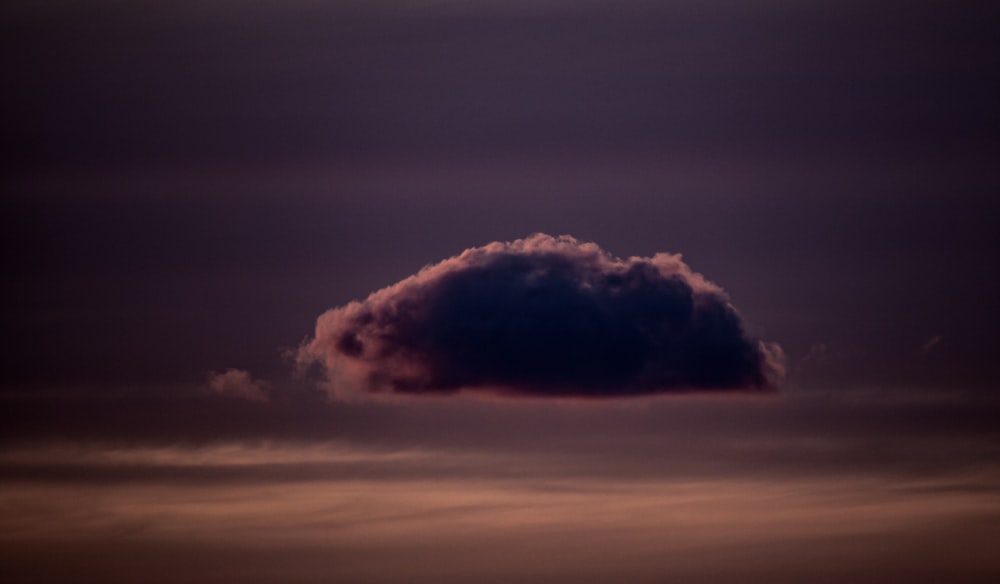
(448, 527)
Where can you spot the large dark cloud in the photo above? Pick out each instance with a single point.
(544, 316)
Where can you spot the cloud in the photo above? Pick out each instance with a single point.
(543, 316)
(237, 383)
(930, 344)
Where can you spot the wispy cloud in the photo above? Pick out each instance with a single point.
(448, 526)
(239, 384)
(931, 343)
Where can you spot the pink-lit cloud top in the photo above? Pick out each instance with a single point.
(543, 316)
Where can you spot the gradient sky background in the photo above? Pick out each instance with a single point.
(187, 186)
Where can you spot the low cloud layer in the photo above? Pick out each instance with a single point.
(543, 316)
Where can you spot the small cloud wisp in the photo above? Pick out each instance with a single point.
(237, 383)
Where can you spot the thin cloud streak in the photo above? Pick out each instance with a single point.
(782, 487)
(448, 527)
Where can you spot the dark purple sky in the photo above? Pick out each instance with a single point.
(188, 185)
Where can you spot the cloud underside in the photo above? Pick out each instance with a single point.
(543, 316)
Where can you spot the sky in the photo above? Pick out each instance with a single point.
(556, 291)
